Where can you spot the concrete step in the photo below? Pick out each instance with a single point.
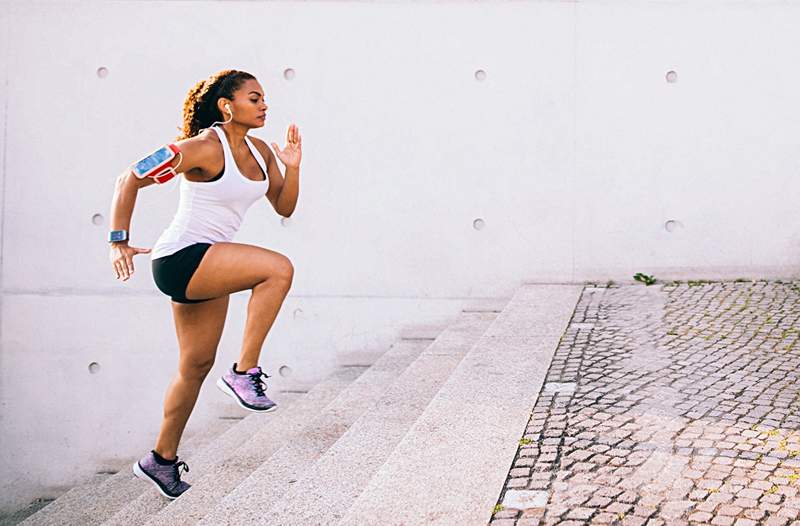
(149, 502)
(451, 466)
(15, 517)
(236, 463)
(99, 498)
(495, 305)
(422, 331)
(328, 488)
(265, 429)
(274, 476)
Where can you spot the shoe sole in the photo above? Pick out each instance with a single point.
(140, 473)
(225, 388)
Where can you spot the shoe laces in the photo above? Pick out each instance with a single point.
(178, 467)
(258, 384)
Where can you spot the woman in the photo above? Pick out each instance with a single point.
(195, 262)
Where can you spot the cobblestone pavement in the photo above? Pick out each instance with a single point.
(668, 404)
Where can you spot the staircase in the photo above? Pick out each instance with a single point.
(425, 434)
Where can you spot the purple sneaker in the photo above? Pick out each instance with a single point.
(247, 389)
(166, 477)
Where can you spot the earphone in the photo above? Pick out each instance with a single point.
(227, 107)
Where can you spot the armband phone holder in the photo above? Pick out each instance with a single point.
(157, 165)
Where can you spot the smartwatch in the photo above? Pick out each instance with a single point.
(117, 236)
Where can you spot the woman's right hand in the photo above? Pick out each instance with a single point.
(122, 259)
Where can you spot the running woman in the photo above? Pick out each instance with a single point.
(195, 261)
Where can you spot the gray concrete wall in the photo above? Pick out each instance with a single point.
(571, 149)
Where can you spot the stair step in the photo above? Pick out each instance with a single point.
(495, 305)
(273, 477)
(233, 459)
(147, 501)
(422, 331)
(15, 517)
(94, 501)
(150, 504)
(329, 487)
(451, 466)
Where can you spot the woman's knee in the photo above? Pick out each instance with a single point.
(195, 370)
(283, 271)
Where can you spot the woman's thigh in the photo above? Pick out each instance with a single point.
(231, 267)
(199, 328)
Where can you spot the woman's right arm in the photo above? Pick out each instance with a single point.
(195, 154)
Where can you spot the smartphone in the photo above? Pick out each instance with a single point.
(155, 162)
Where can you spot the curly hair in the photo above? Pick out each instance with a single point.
(200, 107)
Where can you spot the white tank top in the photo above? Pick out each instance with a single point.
(212, 212)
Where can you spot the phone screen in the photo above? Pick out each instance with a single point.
(153, 160)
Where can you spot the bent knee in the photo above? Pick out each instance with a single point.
(196, 370)
(284, 271)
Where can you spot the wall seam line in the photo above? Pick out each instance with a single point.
(4, 39)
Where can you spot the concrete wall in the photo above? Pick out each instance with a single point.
(552, 123)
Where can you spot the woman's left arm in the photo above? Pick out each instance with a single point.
(283, 191)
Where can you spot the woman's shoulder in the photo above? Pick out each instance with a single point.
(205, 139)
(261, 146)
(202, 151)
(204, 144)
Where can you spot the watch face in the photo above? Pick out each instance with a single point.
(118, 235)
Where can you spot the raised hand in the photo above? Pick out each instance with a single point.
(292, 152)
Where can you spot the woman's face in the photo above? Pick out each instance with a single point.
(249, 106)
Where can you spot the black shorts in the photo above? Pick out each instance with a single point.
(172, 273)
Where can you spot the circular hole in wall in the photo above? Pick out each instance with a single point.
(672, 77)
(97, 219)
(480, 75)
(672, 225)
(286, 221)
(94, 368)
(478, 224)
(285, 371)
(288, 73)
(102, 72)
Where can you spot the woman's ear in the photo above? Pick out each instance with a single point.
(224, 106)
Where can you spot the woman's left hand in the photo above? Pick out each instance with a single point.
(292, 152)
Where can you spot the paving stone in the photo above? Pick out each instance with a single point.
(520, 499)
(604, 518)
(709, 484)
(618, 508)
(754, 514)
(644, 511)
(679, 399)
(517, 483)
(674, 510)
(581, 513)
(788, 513)
(745, 503)
(633, 521)
(598, 502)
(700, 516)
(729, 510)
(533, 513)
